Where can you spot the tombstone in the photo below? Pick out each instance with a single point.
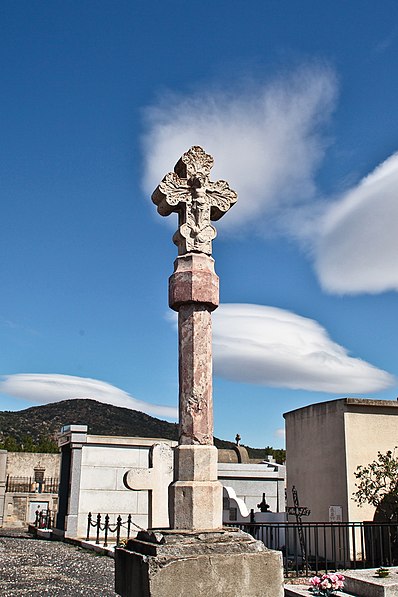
(197, 553)
(155, 479)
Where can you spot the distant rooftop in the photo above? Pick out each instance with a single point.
(355, 402)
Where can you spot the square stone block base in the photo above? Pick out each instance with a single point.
(224, 563)
(365, 583)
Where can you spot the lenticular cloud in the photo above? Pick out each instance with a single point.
(267, 142)
(358, 243)
(273, 347)
(44, 388)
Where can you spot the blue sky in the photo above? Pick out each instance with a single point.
(297, 102)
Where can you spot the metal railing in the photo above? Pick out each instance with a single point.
(44, 519)
(329, 546)
(104, 528)
(30, 485)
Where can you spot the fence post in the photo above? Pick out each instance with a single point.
(88, 526)
(128, 526)
(98, 528)
(118, 527)
(106, 530)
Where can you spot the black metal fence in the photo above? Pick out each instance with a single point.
(327, 546)
(44, 519)
(30, 485)
(119, 530)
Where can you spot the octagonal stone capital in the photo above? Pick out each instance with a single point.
(194, 281)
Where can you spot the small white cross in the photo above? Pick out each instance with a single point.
(155, 479)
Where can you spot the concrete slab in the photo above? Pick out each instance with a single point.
(302, 591)
(365, 583)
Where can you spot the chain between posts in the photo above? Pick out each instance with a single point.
(107, 528)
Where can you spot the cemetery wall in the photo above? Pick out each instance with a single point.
(22, 464)
(25, 495)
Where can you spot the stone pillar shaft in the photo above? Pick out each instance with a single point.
(196, 494)
(195, 375)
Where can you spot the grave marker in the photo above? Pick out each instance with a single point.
(155, 479)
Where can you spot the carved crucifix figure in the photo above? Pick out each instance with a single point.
(197, 200)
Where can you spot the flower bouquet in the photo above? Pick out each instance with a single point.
(327, 584)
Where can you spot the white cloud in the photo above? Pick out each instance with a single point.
(272, 347)
(41, 388)
(357, 249)
(280, 433)
(267, 142)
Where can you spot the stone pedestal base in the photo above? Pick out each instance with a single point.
(195, 498)
(226, 563)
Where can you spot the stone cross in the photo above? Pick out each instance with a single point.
(197, 200)
(155, 479)
(195, 497)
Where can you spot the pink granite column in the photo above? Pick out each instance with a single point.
(196, 495)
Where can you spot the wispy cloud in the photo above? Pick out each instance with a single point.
(13, 325)
(267, 141)
(273, 347)
(40, 388)
(357, 246)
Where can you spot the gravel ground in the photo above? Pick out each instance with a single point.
(50, 568)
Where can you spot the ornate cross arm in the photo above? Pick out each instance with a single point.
(197, 200)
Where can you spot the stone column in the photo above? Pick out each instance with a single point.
(196, 554)
(3, 470)
(196, 494)
(71, 441)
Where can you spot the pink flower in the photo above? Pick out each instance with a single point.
(315, 581)
(326, 584)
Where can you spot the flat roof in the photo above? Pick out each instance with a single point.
(364, 402)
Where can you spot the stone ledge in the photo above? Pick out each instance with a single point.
(365, 583)
(302, 591)
(200, 565)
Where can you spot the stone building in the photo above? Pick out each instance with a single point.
(326, 442)
(28, 482)
(96, 469)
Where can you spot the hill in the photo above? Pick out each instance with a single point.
(36, 428)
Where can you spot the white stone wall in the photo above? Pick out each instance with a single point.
(99, 463)
(250, 481)
(98, 466)
(101, 485)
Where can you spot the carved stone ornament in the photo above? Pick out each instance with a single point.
(197, 200)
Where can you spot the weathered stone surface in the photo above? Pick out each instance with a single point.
(195, 375)
(196, 463)
(227, 564)
(155, 479)
(196, 494)
(194, 281)
(197, 200)
(365, 583)
(196, 505)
